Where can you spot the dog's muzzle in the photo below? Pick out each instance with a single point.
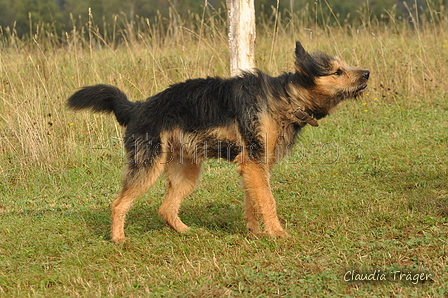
(366, 75)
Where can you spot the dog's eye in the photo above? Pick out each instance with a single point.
(338, 72)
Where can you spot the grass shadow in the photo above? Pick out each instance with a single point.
(212, 216)
(215, 216)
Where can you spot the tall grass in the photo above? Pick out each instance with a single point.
(38, 74)
(384, 203)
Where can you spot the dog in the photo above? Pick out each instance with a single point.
(251, 120)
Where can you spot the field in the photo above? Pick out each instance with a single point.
(364, 195)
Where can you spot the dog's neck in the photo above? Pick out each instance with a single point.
(306, 113)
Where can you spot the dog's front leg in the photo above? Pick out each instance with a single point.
(259, 199)
(251, 214)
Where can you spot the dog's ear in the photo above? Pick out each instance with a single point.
(304, 65)
(302, 57)
(301, 54)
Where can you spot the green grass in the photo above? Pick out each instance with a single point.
(366, 190)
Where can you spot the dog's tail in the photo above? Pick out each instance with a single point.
(103, 98)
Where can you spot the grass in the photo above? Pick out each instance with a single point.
(366, 190)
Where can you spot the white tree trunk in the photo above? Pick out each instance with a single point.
(241, 19)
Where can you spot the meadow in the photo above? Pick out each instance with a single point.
(364, 195)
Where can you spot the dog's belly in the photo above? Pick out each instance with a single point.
(220, 142)
(220, 149)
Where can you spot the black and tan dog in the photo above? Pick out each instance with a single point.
(251, 120)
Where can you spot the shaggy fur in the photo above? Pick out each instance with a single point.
(251, 120)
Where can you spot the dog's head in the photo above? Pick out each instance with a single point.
(326, 79)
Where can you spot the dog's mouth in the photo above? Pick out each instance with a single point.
(357, 92)
(361, 89)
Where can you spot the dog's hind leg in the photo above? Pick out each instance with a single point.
(139, 178)
(181, 180)
(259, 199)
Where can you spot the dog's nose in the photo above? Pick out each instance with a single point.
(366, 74)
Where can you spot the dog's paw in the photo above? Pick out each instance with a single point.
(279, 234)
(253, 229)
(118, 240)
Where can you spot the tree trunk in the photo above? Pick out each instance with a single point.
(241, 19)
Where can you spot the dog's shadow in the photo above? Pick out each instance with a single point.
(211, 216)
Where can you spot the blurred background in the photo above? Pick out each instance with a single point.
(65, 15)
